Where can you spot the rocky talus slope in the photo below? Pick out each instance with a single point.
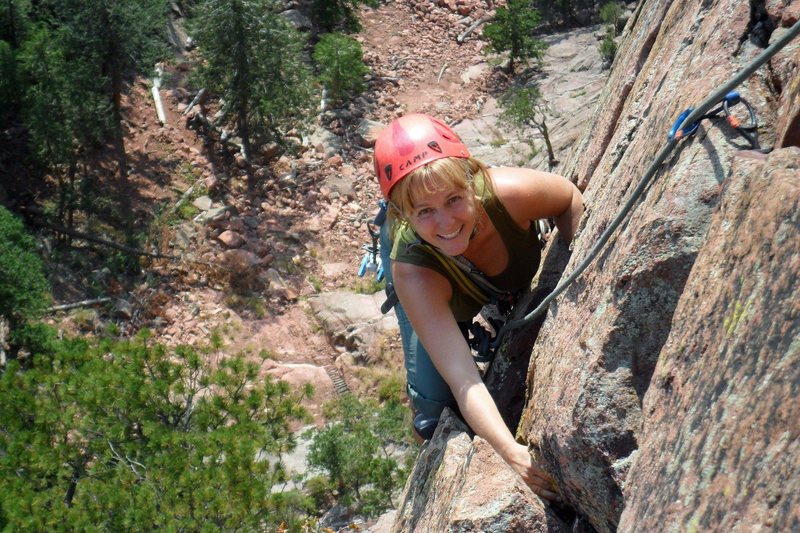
(662, 389)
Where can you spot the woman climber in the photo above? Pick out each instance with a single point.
(444, 207)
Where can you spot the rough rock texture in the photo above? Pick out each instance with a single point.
(459, 485)
(508, 373)
(720, 445)
(571, 79)
(708, 346)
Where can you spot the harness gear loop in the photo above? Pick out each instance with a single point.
(372, 258)
(691, 116)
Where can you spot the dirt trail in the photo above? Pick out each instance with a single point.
(416, 42)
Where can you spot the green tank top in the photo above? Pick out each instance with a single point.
(524, 254)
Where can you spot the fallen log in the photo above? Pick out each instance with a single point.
(225, 136)
(475, 25)
(197, 99)
(82, 303)
(97, 240)
(157, 96)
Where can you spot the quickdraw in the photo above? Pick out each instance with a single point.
(749, 130)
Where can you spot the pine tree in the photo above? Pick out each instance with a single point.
(75, 59)
(330, 15)
(133, 436)
(341, 66)
(523, 107)
(115, 38)
(512, 31)
(251, 58)
(24, 291)
(352, 450)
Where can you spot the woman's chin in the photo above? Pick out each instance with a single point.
(452, 247)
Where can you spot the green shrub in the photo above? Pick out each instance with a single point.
(610, 14)
(524, 107)
(131, 435)
(24, 291)
(512, 32)
(608, 47)
(341, 66)
(353, 450)
(392, 388)
(320, 490)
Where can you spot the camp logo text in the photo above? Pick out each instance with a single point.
(416, 159)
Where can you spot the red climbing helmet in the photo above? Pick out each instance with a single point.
(410, 142)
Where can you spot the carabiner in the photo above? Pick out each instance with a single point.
(678, 133)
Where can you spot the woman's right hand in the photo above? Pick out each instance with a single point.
(519, 459)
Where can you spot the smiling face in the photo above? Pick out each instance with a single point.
(446, 219)
(439, 202)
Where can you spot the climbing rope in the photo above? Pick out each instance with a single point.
(686, 125)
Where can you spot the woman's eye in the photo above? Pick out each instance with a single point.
(453, 200)
(424, 212)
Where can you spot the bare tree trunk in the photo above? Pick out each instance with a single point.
(460, 39)
(77, 471)
(119, 144)
(73, 169)
(12, 27)
(542, 126)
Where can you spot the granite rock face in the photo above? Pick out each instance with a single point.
(662, 387)
(594, 361)
(720, 446)
(460, 485)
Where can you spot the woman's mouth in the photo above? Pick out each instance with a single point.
(450, 236)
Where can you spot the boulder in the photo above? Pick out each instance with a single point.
(299, 374)
(123, 309)
(231, 239)
(325, 142)
(214, 215)
(298, 19)
(368, 130)
(242, 257)
(203, 203)
(352, 321)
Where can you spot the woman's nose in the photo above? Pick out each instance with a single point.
(443, 217)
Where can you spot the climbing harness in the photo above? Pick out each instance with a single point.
(684, 127)
(496, 304)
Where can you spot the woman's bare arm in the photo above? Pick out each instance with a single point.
(530, 195)
(424, 295)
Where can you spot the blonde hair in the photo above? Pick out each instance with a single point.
(436, 176)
